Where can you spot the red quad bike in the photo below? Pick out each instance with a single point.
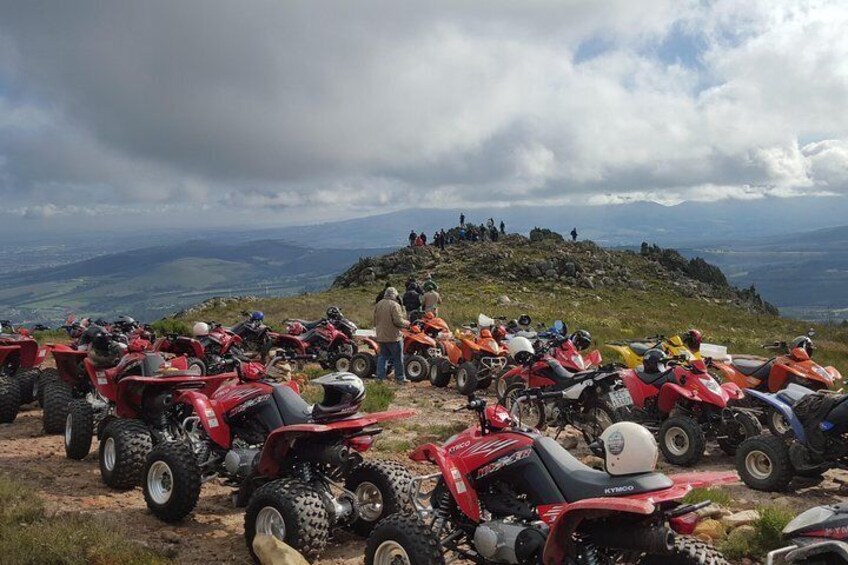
(320, 340)
(20, 375)
(213, 353)
(678, 400)
(131, 408)
(507, 494)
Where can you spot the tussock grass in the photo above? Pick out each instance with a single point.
(29, 536)
(765, 537)
(714, 495)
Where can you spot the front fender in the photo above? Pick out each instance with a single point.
(370, 343)
(733, 391)
(463, 493)
(786, 410)
(670, 393)
(210, 414)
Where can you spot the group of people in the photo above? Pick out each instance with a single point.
(465, 232)
(389, 320)
(440, 239)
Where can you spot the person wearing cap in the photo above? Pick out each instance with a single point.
(431, 298)
(388, 321)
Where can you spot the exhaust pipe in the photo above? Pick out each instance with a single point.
(625, 537)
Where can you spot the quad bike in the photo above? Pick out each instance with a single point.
(321, 341)
(310, 476)
(419, 349)
(688, 346)
(591, 401)
(507, 494)
(253, 332)
(818, 421)
(475, 360)
(817, 536)
(20, 373)
(130, 408)
(213, 352)
(678, 400)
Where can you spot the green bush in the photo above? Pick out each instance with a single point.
(770, 525)
(714, 495)
(171, 326)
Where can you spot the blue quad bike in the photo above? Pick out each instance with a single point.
(818, 440)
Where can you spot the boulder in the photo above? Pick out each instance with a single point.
(503, 300)
(712, 529)
(272, 551)
(740, 519)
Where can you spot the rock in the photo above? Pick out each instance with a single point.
(503, 300)
(171, 536)
(784, 501)
(637, 284)
(593, 461)
(712, 529)
(711, 511)
(570, 269)
(551, 273)
(272, 551)
(740, 519)
(570, 442)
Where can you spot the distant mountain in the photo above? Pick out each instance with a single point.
(153, 281)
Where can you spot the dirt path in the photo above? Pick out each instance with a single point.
(214, 533)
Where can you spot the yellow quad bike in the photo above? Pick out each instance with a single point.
(686, 346)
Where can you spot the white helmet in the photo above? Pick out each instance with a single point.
(521, 349)
(629, 448)
(200, 329)
(484, 321)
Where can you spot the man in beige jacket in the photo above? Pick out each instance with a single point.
(388, 321)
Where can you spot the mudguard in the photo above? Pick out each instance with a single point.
(773, 401)
(211, 416)
(290, 341)
(733, 391)
(594, 358)
(463, 493)
(8, 352)
(670, 393)
(370, 343)
(67, 362)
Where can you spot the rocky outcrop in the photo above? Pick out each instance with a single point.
(216, 302)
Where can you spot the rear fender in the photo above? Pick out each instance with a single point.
(783, 408)
(463, 493)
(594, 358)
(639, 391)
(187, 346)
(670, 393)
(9, 352)
(101, 380)
(67, 362)
(566, 518)
(291, 342)
(627, 355)
(211, 416)
(370, 343)
(31, 353)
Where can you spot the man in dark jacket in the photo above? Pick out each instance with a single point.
(412, 237)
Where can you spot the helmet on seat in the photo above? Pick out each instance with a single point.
(581, 339)
(343, 395)
(88, 335)
(257, 316)
(652, 361)
(692, 340)
(200, 329)
(629, 448)
(101, 342)
(803, 342)
(334, 313)
(521, 350)
(525, 320)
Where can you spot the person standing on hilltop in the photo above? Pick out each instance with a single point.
(461, 219)
(412, 237)
(442, 237)
(423, 238)
(432, 299)
(503, 228)
(574, 234)
(388, 321)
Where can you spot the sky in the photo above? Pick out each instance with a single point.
(294, 111)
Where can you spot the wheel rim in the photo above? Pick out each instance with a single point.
(342, 364)
(500, 387)
(677, 441)
(109, 453)
(461, 378)
(391, 553)
(415, 369)
(270, 522)
(529, 414)
(69, 422)
(758, 465)
(370, 501)
(160, 482)
(779, 423)
(359, 366)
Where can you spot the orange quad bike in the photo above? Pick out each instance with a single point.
(418, 350)
(475, 360)
(770, 375)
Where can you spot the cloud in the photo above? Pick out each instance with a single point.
(320, 106)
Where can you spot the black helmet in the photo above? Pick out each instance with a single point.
(804, 343)
(334, 313)
(692, 340)
(88, 335)
(525, 320)
(343, 395)
(652, 360)
(581, 339)
(101, 342)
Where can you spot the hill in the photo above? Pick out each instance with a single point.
(614, 294)
(153, 281)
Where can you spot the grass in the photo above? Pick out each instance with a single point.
(378, 396)
(30, 536)
(171, 326)
(714, 495)
(766, 535)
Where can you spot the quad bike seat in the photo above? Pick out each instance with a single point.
(754, 367)
(793, 394)
(293, 408)
(556, 372)
(641, 347)
(578, 481)
(310, 325)
(655, 379)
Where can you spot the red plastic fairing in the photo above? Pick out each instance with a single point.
(8, 350)
(463, 493)
(669, 395)
(211, 416)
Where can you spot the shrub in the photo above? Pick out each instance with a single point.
(769, 527)
(378, 396)
(714, 495)
(171, 326)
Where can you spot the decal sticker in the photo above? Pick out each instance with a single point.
(211, 417)
(615, 443)
(619, 490)
(503, 462)
(489, 447)
(550, 514)
(457, 480)
(460, 446)
(101, 377)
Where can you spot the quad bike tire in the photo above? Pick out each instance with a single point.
(10, 399)
(403, 534)
(763, 463)
(363, 365)
(45, 376)
(466, 378)
(341, 363)
(536, 411)
(79, 429)
(441, 371)
(382, 488)
(28, 384)
(600, 415)
(296, 506)
(415, 368)
(484, 383)
(501, 383)
(744, 426)
(57, 396)
(687, 550)
(682, 441)
(124, 446)
(171, 481)
(195, 362)
(777, 424)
